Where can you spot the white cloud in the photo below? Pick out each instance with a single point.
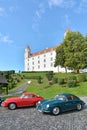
(55, 2)
(2, 11)
(78, 6)
(38, 16)
(5, 38)
(67, 19)
(82, 7)
(11, 9)
(40, 11)
(62, 3)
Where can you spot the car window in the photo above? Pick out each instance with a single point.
(29, 96)
(59, 97)
(70, 97)
(26, 96)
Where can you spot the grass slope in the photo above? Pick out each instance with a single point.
(50, 91)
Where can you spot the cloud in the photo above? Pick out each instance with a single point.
(38, 16)
(82, 8)
(77, 6)
(5, 39)
(61, 3)
(55, 2)
(40, 11)
(12, 9)
(2, 11)
(66, 21)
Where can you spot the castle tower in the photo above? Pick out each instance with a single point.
(26, 58)
(67, 30)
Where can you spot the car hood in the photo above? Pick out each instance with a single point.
(52, 101)
(13, 99)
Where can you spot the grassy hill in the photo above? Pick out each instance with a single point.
(48, 89)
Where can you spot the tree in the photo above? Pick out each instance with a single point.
(60, 58)
(73, 51)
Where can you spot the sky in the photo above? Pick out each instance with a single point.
(40, 24)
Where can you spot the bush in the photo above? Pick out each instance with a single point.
(49, 75)
(72, 78)
(81, 78)
(50, 83)
(55, 80)
(71, 83)
(61, 81)
(39, 79)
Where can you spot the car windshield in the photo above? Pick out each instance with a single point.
(60, 97)
(22, 96)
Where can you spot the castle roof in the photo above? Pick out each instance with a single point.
(44, 51)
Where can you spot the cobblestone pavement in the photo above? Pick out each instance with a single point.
(31, 119)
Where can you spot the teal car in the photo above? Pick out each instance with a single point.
(60, 103)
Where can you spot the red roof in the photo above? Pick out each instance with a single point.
(44, 51)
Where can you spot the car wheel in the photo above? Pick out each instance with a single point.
(56, 110)
(79, 107)
(12, 106)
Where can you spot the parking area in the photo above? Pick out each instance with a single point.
(31, 119)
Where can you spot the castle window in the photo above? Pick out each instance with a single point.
(32, 68)
(38, 66)
(44, 65)
(51, 65)
(27, 68)
(44, 55)
(38, 61)
(44, 60)
(32, 63)
(51, 59)
(51, 53)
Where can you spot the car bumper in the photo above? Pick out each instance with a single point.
(3, 104)
(40, 109)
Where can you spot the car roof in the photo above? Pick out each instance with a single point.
(66, 94)
(25, 93)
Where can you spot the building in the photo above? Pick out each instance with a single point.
(42, 61)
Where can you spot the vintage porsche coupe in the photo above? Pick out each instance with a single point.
(60, 103)
(25, 100)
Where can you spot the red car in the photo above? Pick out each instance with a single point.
(26, 99)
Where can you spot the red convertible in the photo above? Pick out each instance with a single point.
(25, 100)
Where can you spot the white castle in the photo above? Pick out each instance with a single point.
(43, 60)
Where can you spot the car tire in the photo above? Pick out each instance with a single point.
(56, 111)
(12, 106)
(79, 106)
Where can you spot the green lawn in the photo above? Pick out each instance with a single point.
(50, 91)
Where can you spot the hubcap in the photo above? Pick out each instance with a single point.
(79, 106)
(12, 106)
(56, 111)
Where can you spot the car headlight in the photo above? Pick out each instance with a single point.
(47, 106)
(39, 102)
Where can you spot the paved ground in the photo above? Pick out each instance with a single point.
(20, 89)
(31, 119)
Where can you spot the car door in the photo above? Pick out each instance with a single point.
(70, 104)
(27, 100)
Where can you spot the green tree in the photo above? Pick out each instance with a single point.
(60, 58)
(73, 51)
